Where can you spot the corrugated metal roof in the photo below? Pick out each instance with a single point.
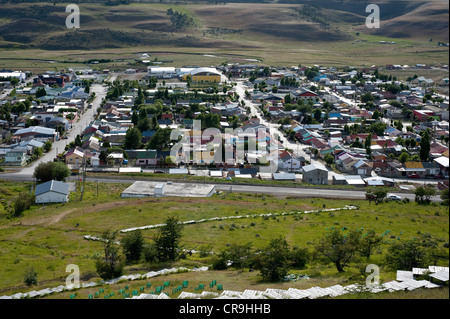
(54, 186)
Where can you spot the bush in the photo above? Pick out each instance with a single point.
(30, 277)
(110, 265)
(274, 260)
(424, 194)
(132, 246)
(149, 253)
(220, 261)
(299, 257)
(22, 203)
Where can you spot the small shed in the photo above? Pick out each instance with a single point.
(52, 192)
(159, 189)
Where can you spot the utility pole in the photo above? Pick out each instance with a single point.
(84, 177)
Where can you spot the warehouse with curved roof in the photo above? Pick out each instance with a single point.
(203, 75)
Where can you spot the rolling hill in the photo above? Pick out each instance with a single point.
(321, 29)
(42, 25)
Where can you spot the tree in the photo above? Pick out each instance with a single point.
(48, 146)
(140, 99)
(274, 260)
(329, 159)
(424, 194)
(380, 195)
(445, 197)
(403, 158)
(48, 171)
(406, 255)
(238, 255)
(299, 257)
(133, 138)
(167, 241)
(111, 264)
(159, 139)
(338, 247)
(132, 246)
(22, 203)
(135, 117)
(367, 97)
(317, 115)
(368, 145)
(425, 146)
(40, 92)
(369, 241)
(357, 143)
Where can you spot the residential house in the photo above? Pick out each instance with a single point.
(437, 149)
(302, 93)
(422, 115)
(379, 157)
(443, 165)
(394, 169)
(315, 174)
(115, 158)
(431, 168)
(15, 157)
(144, 157)
(52, 192)
(362, 168)
(289, 161)
(415, 168)
(74, 157)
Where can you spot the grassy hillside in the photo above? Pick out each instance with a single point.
(51, 237)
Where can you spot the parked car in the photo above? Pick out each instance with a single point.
(413, 176)
(393, 197)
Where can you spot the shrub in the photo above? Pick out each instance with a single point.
(149, 252)
(132, 245)
(30, 277)
(22, 203)
(299, 257)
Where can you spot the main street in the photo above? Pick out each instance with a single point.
(59, 145)
(296, 147)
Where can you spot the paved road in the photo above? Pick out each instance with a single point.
(58, 146)
(296, 147)
(279, 191)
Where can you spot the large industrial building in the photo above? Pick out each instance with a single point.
(203, 75)
(160, 189)
(197, 75)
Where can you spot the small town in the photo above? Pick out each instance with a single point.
(224, 151)
(357, 127)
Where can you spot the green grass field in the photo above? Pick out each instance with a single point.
(51, 237)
